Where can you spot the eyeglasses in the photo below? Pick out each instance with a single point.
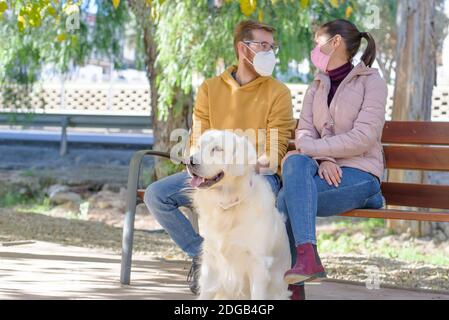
(266, 46)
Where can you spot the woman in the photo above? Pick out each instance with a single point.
(338, 163)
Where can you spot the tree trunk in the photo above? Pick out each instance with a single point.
(177, 117)
(415, 78)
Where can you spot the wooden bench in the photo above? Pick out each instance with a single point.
(407, 145)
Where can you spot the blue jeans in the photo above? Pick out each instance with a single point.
(164, 197)
(305, 195)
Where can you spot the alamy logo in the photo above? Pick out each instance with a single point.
(372, 277)
(72, 22)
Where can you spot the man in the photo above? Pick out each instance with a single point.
(243, 97)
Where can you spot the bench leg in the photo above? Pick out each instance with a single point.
(127, 246)
(128, 227)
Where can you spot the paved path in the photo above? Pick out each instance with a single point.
(42, 270)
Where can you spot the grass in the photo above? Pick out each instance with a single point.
(363, 238)
(28, 173)
(12, 199)
(39, 205)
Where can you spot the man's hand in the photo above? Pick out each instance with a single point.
(331, 172)
(262, 164)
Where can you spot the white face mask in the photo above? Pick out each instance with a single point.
(263, 62)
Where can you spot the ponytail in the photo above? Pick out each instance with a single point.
(352, 38)
(369, 55)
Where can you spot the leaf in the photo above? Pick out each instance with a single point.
(61, 37)
(21, 19)
(260, 15)
(304, 3)
(348, 12)
(3, 6)
(248, 6)
(115, 3)
(21, 26)
(154, 14)
(334, 3)
(51, 10)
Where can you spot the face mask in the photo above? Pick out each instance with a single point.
(320, 59)
(263, 62)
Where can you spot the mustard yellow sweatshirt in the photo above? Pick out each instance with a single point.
(264, 103)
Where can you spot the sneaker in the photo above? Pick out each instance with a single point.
(192, 277)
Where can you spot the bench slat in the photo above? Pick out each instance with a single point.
(416, 132)
(412, 132)
(416, 195)
(399, 214)
(417, 158)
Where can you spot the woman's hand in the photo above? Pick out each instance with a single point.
(331, 172)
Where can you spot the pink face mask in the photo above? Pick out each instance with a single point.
(320, 59)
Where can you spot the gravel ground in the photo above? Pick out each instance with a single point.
(15, 226)
(93, 167)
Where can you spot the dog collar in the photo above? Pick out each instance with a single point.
(237, 200)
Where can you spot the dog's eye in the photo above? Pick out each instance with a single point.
(216, 149)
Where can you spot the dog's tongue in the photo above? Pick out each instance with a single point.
(196, 181)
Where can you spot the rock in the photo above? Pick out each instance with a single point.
(62, 197)
(142, 210)
(103, 204)
(59, 194)
(65, 210)
(111, 187)
(440, 236)
(405, 236)
(56, 188)
(444, 228)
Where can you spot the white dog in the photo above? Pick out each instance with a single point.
(245, 249)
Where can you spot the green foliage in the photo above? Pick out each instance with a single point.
(11, 199)
(368, 237)
(40, 205)
(37, 35)
(167, 167)
(192, 37)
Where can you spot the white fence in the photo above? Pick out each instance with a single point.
(121, 99)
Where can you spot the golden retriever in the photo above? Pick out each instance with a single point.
(245, 250)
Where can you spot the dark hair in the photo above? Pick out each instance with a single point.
(244, 31)
(352, 38)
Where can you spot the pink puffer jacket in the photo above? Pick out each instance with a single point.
(349, 131)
